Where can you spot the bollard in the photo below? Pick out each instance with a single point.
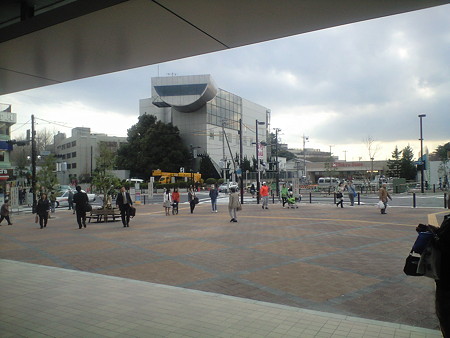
(334, 196)
(273, 198)
(414, 199)
(310, 197)
(445, 201)
(359, 199)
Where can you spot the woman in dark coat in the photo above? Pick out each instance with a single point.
(42, 210)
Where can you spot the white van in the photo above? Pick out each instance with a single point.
(135, 180)
(325, 182)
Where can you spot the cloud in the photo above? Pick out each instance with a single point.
(337, 86)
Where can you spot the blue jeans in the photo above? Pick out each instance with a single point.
(214, 204)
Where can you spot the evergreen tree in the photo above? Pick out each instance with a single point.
(103, 179)
(408, 169)
(152, 145)
(394, 165)
(46, 177)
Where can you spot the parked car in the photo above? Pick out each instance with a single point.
(63, 199)
(225, 187)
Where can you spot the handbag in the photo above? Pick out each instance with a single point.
(132, 211)
(196, 200)
(88, 207)
(411, 265)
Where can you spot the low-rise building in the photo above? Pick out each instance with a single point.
(76, 155)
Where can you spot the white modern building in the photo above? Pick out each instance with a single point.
(76, 155)
(208, 117)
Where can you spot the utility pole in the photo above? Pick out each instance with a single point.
(277, 176)
(241, 161)
(33, 163)
(224, 159)
(305, 138)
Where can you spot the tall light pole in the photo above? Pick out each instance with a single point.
(257, 160)
(421, 154)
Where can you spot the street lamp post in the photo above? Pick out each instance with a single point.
(421, 154)
(257, 161)
(277, 174)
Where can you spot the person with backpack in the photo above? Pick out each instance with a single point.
(441, 243)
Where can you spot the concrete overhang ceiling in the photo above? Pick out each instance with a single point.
(44, 42)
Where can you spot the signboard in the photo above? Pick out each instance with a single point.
(137, 197)
(260, 151)
(4, 175)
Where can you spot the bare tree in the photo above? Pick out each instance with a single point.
(372, 148)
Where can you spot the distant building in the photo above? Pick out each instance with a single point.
(7, 119)
(76, 155)
(208, 117)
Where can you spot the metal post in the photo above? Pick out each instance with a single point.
(310, 197)
(33, 163)
(277, 176)
(359, 199)
(414, 199)
(445, 200)
(421, 154)
(241, 161)
(257, 165)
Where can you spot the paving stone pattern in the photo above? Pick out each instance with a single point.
(345, 261)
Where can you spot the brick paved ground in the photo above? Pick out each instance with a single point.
(345, 261)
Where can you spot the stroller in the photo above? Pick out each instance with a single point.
(291, 201)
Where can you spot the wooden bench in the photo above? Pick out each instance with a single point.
(102, 215)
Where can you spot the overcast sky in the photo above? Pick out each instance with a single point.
(337, 86)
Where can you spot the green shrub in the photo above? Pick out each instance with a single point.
(210, 181)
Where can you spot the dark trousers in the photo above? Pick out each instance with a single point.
(5, 217)
(284, 200)
(125, 214)
(341, 202)
(81, 218)
(43, 220)
(192, 205)
(443, 307)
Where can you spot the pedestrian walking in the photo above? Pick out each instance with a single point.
(340, 196)
(253, 190)
(175, 201)
(52, 201)
(383, 195)
(124, 202)
(4, 213)
(351, 192)
(167, 201)
(70, 200)
(284, 194)
(264, 192)
(42, 210)
(233, 204)
(192, 199)
(213, 194)
(80, 198)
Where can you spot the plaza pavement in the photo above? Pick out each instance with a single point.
(314, 271)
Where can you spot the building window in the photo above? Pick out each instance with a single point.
(74, 143)
(74, 165)
(225, 108)
(211, 135)
(69, 166)
(74, 154)
(68, 155)
(63, 146)
(68, 145)
(63, 156)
